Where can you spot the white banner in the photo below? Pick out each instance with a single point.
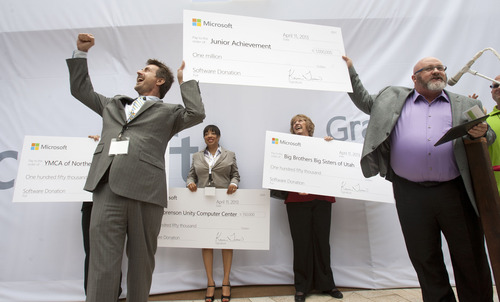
(35, 91)
(54, 169)
(306, 164)
(221, 221)
(229, 49)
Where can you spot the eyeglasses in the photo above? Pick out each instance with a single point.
(493, 86)
(431, 68)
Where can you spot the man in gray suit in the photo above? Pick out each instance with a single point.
(432, 185)
(127, 175)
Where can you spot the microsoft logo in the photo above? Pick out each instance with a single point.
(35, 146)
(275, 141)
(196, 22)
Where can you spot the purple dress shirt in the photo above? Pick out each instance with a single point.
(420, 125)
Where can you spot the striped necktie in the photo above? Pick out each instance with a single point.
(136, 106)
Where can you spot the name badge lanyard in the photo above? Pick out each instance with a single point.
(210, 178)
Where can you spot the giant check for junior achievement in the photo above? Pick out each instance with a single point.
(306, 164)
(236, 221)
(229, 49)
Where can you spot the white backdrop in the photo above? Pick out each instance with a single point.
(41, 252)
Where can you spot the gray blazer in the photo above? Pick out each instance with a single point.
(140, 174)
(224, 172)
(384, 110)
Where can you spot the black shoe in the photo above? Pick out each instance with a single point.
(300, 297)
(226, 298)
(212, 297)
(336, 293)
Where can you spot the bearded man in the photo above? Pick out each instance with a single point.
(431, 184)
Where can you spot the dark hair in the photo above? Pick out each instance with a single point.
(165, 73)
(212, 128)
(309, 123)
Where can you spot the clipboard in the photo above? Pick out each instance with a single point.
(460, 130)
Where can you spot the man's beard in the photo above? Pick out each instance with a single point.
(433, 85)
(436, 86)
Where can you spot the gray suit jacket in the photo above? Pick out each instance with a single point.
(140, 174)
(224, 172)
(384, 110)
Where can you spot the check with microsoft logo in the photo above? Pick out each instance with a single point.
(312, 165)
(196, 220)
(230, 49)
(54, 169)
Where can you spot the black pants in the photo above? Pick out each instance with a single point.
(86, 214)
(424, 213)
(310, 229)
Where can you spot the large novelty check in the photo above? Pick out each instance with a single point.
(53, 169)
(56, 168)
(196, 220)
(229, 49)
(312, 165)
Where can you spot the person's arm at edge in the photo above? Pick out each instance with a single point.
(360, 96)
(192, 178)
(191, 97)
(80, 83)
(235, 177)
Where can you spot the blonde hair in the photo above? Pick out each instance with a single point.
(309, 123)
